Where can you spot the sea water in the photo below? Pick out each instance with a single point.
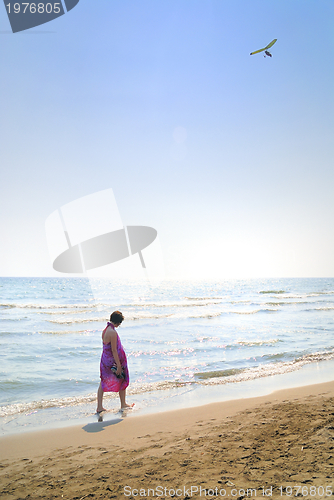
(181, 338)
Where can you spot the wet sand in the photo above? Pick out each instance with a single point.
(267, 443)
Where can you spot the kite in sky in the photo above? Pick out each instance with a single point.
(265, 48)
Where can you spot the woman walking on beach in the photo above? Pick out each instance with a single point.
(114, 372)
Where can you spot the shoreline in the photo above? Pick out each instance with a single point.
(271, 441)
(157, 402)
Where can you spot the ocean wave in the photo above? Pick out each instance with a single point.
(63, 332)
(327, 308)
(46, 306)
(286, 303)
(255, 311)
(204, 298)
(250, 343)
(305, 295)
(171, 352)
(32, 406)
(218, 373)
(197, 303)
(60, 313)
(273, 291)
(240, 301)
(75, 321)
(270, 369)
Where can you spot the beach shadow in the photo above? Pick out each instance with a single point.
(100, 426)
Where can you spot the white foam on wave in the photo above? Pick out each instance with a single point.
(47, 306)
(17, 408)
(271, 369)
(64, 332)
(251, 343)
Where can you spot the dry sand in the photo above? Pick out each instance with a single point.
(284, 439)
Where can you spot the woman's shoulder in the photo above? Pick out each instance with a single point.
(110, 331)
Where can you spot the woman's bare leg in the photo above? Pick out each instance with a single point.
(122, 398)
(99, 400)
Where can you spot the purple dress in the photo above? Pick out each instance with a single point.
(109, 381)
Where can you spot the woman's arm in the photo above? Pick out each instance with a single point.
(113, 342)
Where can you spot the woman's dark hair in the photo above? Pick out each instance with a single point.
(116, 317)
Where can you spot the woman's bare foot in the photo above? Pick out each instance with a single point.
(126, 406)
(98, 410)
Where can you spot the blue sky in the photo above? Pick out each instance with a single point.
(95, 99)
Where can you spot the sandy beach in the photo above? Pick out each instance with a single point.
(278, 445)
